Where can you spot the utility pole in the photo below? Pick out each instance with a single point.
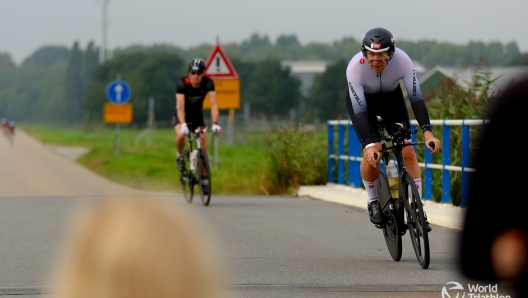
(103, 52)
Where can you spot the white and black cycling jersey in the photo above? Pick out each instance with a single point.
(362, 80)
(364, 83)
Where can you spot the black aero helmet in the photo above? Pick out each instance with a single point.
(378, 40)
(197, 64)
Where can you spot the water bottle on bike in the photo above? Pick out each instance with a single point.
(392, 175)
(193, 155)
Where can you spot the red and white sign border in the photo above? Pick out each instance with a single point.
(232, 72)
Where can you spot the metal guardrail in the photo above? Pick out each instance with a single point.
(354, 156)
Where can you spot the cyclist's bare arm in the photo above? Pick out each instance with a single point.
(214, 106)
(180, 104)
(214, 112)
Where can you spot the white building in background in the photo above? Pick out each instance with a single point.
(503, 76)
(306, 70)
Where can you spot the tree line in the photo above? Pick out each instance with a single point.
(49, 86)
(60, 85)
(287, 47)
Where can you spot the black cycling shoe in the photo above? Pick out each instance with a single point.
(427, 226)
(205, 187)
(375, 213)
(180, 163)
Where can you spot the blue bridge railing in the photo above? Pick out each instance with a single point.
(353, 156)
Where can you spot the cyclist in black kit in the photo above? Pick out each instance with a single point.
(373, 77)
(190, 94)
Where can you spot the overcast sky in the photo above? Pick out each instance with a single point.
(26, 25)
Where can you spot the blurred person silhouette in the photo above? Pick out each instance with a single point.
(141, 248)
(494, 245)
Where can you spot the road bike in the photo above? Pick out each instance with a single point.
(405, 212)
(196, 168)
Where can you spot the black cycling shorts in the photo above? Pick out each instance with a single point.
(390, 106)
(193, 123)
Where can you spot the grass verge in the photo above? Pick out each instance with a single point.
(153, 167)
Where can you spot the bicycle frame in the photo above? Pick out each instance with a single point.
(194, 137)
(197, 172)
(408, 195)
(396, 149)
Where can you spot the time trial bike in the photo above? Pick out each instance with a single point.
(406, 211)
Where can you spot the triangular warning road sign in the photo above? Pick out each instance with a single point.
(218, 64)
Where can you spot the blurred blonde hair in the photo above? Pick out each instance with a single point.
(137, 248)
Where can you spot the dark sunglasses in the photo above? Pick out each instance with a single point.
(196, 72)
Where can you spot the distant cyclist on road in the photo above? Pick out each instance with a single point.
(5, 126)
(8, 128)
(190, 94)
(373, 77)
(11, 127)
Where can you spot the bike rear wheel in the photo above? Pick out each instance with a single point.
(390, 230)
(416, 220)
(204, 162)
(187, 179)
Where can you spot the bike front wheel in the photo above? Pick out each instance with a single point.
(416, 221)
(187, 179)
(390, 230)
(204, 180)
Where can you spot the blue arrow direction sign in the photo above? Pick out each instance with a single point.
(118, 92)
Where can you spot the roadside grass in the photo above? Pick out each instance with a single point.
(153, 167)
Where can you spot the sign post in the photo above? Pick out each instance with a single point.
(118, 92)
(227, 85)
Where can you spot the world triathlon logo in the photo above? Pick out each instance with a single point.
(449, 292)
(454, 289)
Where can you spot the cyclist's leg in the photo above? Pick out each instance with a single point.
(203, 138)
(180, 139)
(369, 175)
(411, 162)
(370, 178)
(413, 168)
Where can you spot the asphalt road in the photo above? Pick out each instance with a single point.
(276, 246)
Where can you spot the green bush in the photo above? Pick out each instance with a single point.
(451, 101)
(294, 158)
